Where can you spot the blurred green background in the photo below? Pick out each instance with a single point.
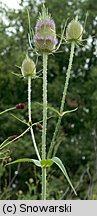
(78, 131)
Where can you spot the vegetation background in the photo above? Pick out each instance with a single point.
(78, 132)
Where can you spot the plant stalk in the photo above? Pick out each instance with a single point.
(63, 100)
(4, 144)
(29, 116)
(45, 58)
(7, 110)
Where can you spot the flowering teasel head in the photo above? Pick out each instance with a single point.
(28, 68)
(45, 33)
(74, 31)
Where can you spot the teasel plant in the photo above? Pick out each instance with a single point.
(74, 33)
(46, 43)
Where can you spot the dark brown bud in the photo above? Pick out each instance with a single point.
(71, 102)
(39, 126)
(20, 106)
(12, 137)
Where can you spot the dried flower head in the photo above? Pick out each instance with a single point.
(45, 33)
(28, 68)
(74, 31)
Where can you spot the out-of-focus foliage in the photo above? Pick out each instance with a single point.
(78, 131)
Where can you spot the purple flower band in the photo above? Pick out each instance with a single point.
(48, 38)
(55, 41)
(43, 23)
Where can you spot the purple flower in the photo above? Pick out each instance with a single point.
(45, 33)
(56, 41)
(41, 24)
(45, 39)
(46, 43)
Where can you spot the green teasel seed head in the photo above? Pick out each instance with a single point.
(45, 32)
(74, 31)
(28, 68)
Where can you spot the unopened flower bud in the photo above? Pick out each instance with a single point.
(30, 180)
(74, 31)
(28, 68)
(20, 106)
(9, 159)
(20, 192)
(45, 33)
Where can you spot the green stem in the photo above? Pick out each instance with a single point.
(63, 99)
(6, 144)
(7, 110)
(45, 57)
(29, 115)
